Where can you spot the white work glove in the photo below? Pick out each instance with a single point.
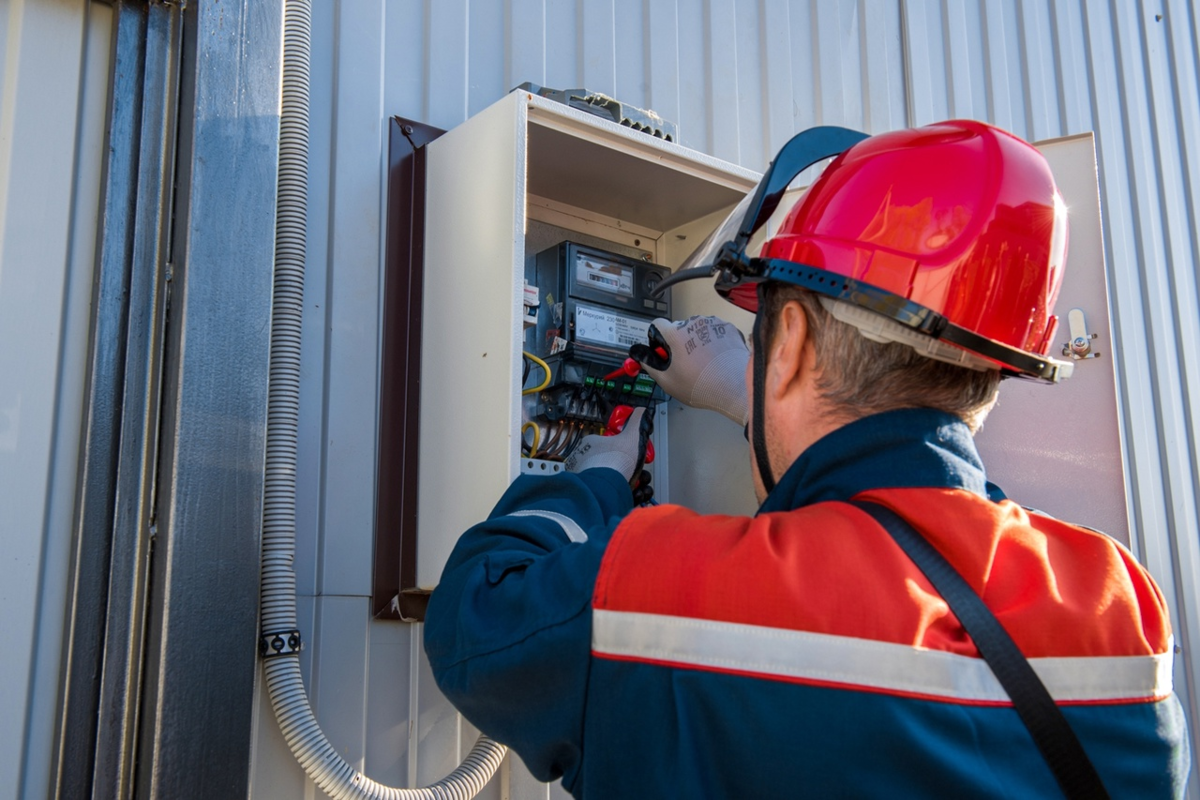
(625, 452)
(705, 366)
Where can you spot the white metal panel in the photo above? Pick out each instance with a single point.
(352, 304)
(72, 369)
(1001, 64)
(486, 79)
(1161, 416)
(928, 90)
(694, 66)
(563, 55)
(1058, 448)
(598, 46)
(317, 319)
(476, 173)
(1071, 51)
(1040, 70)
(662, 55)
(630, 68)
(526, 56)
(405, 63)
(884, 90)
(835, 42)
(446, 70)
(53, 98)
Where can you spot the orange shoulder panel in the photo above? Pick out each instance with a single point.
(828, 568)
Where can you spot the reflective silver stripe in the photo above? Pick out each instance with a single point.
(819, 657)
(570, 527)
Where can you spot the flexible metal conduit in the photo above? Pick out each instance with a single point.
(320, 760)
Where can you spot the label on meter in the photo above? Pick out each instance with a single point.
(608, 327)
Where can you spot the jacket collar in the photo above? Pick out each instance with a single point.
(907, 448)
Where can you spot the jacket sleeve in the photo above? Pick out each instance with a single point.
(508, 629)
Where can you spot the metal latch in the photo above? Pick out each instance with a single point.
(1080, 346)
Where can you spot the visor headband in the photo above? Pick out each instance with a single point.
(914, 316)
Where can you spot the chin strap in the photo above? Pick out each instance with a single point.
(758, 428)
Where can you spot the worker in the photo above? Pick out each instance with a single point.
(834, 644)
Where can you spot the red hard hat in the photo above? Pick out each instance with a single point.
(955, 230)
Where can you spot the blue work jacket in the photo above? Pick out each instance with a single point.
(655, 652)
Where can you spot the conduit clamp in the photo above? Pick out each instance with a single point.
(280, 643)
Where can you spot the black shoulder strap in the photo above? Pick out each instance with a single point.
(1050, 730)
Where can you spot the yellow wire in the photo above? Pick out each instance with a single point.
(545, 368)
(537, 437)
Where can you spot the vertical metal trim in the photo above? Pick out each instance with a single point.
(101, 671)
(395, 568)
(133, 517)
(194, 733)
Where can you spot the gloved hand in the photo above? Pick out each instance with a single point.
(624, 452)
(705, 365)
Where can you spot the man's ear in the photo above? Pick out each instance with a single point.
(789, 352)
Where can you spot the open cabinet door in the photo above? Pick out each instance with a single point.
(1058, 448)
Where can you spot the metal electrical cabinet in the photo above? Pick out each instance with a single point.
(527, 174)
(519, 178)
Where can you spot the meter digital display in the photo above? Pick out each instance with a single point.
(602, 274)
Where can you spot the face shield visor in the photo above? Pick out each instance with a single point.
(729, 252)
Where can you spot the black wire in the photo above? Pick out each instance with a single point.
(525, 371)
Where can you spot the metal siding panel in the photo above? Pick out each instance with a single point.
(1004, 56)
(316, 321)
(1073, 85)
(339, 677)
(40, 88)
(526, 25)
(774, 60)
(804, 67)
(1161, 477)
(1173, 230)
(72, 368)
(1040, 71)
(486, 48)
(597, 36)
(404, 55)
(1132, 360)
(387, 694)
(446, 61)
(722, 107)
(203, 587)
(662, 45)
(564, 51)
(631, 80)
(926, 72)
(274, 771)
(964, 71)
(436, 727)
(884, 90)
(833, 84)
(354, 283)
(694, 95)
(750, 109)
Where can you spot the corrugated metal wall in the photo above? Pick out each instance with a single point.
(739, 77)
(54, 68)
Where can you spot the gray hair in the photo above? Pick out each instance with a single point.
(861, 377)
